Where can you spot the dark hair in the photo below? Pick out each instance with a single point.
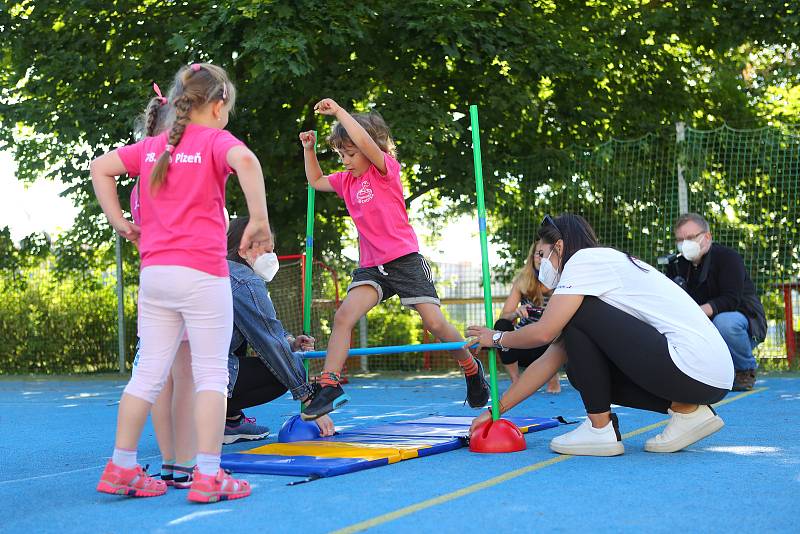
(573, 229)
(375, 126)
(576, 233)
(194, 86)
(235, 231)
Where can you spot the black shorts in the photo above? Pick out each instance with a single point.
(408, 276)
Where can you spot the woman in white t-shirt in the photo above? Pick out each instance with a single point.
(628, 335)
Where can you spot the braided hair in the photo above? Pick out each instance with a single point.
(195, 86)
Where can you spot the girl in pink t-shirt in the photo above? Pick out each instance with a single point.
(389, 258)
(184, 276)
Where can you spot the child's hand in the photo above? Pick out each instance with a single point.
(256, 239)
(327, 106)
(127, 229)
(309, 139)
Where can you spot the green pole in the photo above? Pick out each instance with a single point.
(309, 263)
(487, 287)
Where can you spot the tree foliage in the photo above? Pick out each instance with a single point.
(76, 73)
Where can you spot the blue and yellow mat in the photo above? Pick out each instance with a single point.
(365, 447)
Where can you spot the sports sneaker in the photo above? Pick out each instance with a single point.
(589, 441)
(133, 482)
(215, 488)
(744, 380)
(243, 429)
(324, 400)
(182, 476)
(684, 429)
(477, 388)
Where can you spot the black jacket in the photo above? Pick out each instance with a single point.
(722, 281)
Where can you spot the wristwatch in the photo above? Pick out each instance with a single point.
(496, 337)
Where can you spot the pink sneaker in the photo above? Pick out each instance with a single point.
(134, 482)
(222, 487)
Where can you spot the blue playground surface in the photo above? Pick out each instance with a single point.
(58, 433)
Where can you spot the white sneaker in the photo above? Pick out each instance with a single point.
(684, 429)
(589, 441)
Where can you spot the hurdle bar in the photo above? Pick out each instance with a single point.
(395, 349)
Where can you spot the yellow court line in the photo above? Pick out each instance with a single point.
(408, 510)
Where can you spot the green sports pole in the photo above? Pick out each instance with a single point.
(487, 287)
(309, 263)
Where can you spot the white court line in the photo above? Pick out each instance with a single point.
(51, 475)
(197, 515)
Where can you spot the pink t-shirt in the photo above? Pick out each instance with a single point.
(183, 224)
(377, 206)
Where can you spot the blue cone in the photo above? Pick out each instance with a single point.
(295, 429)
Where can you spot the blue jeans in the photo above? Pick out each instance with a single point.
(255, 322)
(734, 328)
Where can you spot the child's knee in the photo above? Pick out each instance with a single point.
(210, 374)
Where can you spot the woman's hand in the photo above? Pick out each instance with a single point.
(256, 239)
(325, 425)
(480, 335)
(478, 421)
(522, 312)
(327, 106)
(308, 139)
(303, 343)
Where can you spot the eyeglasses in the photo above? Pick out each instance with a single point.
(549, 220)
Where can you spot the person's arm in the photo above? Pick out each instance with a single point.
(509, 311)
(357, 133)
(531, 380)
(730, 273)
(257, 235)
(559, 311)
(314, 175)
(104, 171)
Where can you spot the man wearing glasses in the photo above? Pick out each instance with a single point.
(716, 278)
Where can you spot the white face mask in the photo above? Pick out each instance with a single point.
(690, 249)
(266, 266)
(547, 273)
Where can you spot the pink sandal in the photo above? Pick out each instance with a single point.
(133, 482)
(219, 487)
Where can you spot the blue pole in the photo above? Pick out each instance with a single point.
(396, 349)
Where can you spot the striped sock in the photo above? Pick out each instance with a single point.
(124, 458)
(469, 366)
(329, 379)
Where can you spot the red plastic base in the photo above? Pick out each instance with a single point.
(497, 436)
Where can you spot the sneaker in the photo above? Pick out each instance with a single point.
(324, 400)
(477, 388)
(215, 488)
(182, 476)
(133, 482)
(243, 429)
(744, 380)
(684, 429)
(589, 441)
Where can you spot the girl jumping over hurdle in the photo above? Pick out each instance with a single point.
(389, 259)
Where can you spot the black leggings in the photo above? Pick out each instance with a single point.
(255, 385)
(613, 357)
(523, 357)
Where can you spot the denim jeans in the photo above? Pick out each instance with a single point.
(734, 328)
(255, 322)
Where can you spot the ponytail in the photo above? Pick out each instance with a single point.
(159, 174)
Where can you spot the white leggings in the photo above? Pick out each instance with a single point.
(169, 298)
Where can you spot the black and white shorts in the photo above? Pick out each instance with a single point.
(408, 276)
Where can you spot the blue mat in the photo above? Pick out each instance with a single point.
(366, 447)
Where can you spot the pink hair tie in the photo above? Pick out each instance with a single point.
(158, 92)
(169, 148)
(195, 66)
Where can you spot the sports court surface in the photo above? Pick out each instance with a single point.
(55, 436)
